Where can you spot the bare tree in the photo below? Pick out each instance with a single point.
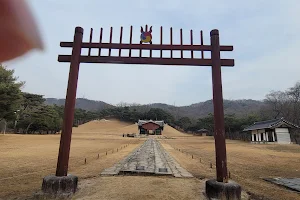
(294, 96)
(284, 104)
(122, 104)
(276, 101)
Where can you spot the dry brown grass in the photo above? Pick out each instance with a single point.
(248, 163)
(26, 159)
(139, 187)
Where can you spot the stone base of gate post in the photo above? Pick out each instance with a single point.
(222, 191)
(59, 185)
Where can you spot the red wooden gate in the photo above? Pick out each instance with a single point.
(215, 62)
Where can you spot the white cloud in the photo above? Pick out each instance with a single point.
(264, 35)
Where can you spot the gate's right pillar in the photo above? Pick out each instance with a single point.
(219, 188)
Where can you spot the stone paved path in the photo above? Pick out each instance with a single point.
(291, 183)
(148, 159)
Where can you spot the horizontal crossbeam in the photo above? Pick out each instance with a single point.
(147, 60)
(183, 47)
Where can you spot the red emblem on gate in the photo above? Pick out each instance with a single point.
(146, 37)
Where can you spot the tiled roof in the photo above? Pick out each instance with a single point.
(141, 122)
(269, 124)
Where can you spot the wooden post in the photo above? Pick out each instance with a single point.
(181, 43)
(161, 40)
(201, 40)
(219, 128)
(121, 35)
(110, 40)
(91, 41)
(65, 139)
(171, 41)
(192, 52)
(100, 41)
(130, 40)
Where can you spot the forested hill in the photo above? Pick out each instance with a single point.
(23, 112)
(202, 109)
(82, 103)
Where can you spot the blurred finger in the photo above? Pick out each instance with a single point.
(18, 30)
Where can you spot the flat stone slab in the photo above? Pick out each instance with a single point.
(290, 183)
(148, 159)
(140, 167)
(162, 170)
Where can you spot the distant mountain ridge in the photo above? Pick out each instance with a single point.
(82, 103)
(197, 110)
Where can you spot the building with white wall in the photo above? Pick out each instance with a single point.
(274, 131)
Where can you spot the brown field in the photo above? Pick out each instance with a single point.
(26, 159)
(247, 163)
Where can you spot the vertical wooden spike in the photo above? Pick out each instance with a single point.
(201, 39)
(151, 43)
(140, 54)
(110, 40)
(130, 40)
(161, 39)
(91, 38)
(192, 52)
(121, 34)
(171, 40)
(181, 42)
(146, 28)
(100, 41)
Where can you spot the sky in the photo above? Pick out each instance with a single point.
(264, 33)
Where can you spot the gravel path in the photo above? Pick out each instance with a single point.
(148, 159)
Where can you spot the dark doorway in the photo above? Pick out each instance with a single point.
(275, 136)
(270, 137)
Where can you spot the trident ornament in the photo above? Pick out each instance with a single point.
(146, 37)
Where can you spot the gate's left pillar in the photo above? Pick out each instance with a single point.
(63, 183)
